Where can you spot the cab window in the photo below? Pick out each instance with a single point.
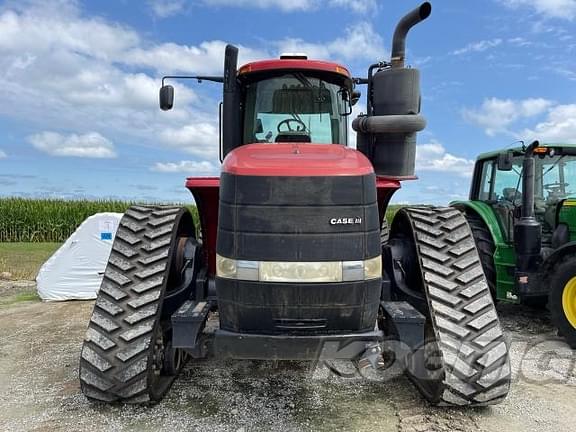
(295, 108)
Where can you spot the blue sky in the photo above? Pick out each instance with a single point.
(79, 79)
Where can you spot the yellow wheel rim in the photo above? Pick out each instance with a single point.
(569, 301)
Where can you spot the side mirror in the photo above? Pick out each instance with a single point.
(504, 161)
(166, 97)
(355, 97)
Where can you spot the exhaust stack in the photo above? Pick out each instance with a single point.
(402, 28)
(387, 133)
(527, 231)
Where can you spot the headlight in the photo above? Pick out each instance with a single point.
(373, 268)
(306, 272)
(271, 271)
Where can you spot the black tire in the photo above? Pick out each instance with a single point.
(129, 333)
(562, 274)
(486, 248)
(466, 361)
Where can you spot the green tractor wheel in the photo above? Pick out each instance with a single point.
(562, 300)
(486, 248)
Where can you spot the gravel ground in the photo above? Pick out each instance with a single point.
(40, 344)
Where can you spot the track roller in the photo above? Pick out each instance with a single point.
(464, 361)
(127, 354)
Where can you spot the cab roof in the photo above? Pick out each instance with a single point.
(293, 64)
(519, 150)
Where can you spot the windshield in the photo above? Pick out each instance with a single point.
(295, 108)
(555, 178)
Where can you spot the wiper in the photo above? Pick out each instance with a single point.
(300, 77)
(551, 168)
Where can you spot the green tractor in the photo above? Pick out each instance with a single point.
(522, 211)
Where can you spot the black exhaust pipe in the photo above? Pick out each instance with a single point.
(528, 231)
(528, 181)
(402, 28)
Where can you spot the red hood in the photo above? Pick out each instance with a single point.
(296, 159)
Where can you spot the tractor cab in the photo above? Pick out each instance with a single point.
(294, 100)
(498, 183)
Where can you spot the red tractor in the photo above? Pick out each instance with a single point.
(290, 256)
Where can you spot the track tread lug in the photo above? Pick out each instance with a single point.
(95, 359)
(116, 277)
(121, 263)
(97, 338)
(145, 299)
(162, 221)
(134, 349)
(146, 285)
(153, 258)
(106, 305)
(128, 237)
(123, 250)
(133, 370)
(112, 291)
(104, 322)
(151, 271)
(141, 314)
(483, 320)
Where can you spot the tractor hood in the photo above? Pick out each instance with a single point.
(295, 159)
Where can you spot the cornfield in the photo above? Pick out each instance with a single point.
(54, 220)
(51, 220)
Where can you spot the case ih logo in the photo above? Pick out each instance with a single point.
(346, 221)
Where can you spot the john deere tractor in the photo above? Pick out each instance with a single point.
(522, 211)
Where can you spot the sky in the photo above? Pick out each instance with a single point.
(79, 114)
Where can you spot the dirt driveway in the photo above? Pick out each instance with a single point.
(40, 344)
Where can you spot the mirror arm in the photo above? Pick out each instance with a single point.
(200, 78)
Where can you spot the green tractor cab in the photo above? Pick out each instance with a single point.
(522, 212)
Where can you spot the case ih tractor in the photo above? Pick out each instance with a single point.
(290, 258)
(524, 224)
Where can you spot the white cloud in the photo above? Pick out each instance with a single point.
(496, 115)
(357, 6)
(206, 58)
(559, 126)
(555, 123)
(199, 139)
(479, 46)
(360, 41)
(186, 166)
(564, 9)
(3, 154)
(433, 157)
(90, 145)
(286, 6)
(166, 8)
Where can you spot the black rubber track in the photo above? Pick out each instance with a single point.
(474, 354)
(486, 248)
(117, 357)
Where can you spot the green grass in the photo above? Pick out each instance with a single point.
(19, 298)
(23, 260)
(391, 211)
